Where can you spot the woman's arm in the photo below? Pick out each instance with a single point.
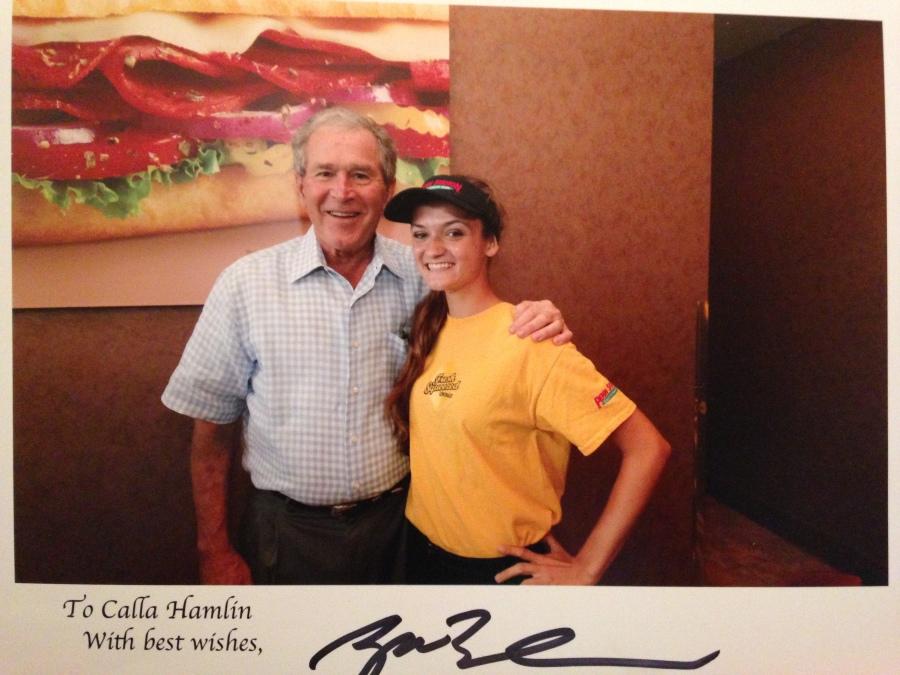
(644, 454)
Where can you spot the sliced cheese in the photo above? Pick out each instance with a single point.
(204, 33)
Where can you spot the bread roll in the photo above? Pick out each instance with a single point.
(228, 198)
(68, 9)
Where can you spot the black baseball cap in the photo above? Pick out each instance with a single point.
(456, 190)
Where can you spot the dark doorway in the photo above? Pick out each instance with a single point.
(797, 390)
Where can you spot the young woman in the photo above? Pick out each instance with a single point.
(489, 418)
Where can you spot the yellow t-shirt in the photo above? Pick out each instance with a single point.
(491, 420)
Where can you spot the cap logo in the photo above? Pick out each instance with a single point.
(442, 184)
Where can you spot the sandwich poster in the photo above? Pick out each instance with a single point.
(155, 145)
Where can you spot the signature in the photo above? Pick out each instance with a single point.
(521, 652)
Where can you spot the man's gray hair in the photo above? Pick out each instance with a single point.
(344, 118)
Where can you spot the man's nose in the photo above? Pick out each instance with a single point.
(341, 187)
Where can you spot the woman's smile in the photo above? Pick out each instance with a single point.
(451, 251)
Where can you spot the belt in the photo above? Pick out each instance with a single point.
(347, 508)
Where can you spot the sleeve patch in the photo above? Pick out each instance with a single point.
(606, 395)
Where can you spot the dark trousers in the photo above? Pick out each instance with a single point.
(285, 542)
(430, 564)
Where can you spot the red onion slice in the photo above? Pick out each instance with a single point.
(275, 125)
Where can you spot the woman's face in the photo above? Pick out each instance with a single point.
(451, 252)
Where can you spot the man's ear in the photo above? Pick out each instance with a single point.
(298, 181)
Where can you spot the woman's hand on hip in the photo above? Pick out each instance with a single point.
(558, 567)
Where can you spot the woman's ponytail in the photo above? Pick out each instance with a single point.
(428, 319)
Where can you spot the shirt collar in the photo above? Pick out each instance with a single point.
(387, 253)
(308, 256)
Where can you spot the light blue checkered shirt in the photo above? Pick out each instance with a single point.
(286, 342)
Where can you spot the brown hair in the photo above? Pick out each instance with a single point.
(429, 318)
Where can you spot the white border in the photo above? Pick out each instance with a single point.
(832, 630)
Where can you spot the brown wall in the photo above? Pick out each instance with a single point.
(798, 323)
(101, 485)
(595, 127)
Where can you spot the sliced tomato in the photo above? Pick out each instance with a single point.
(431, 76)
(83, 152)
(413, 145)
(57, 65)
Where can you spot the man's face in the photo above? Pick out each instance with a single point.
(343, 187)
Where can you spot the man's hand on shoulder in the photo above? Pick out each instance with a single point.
(225, 568)
(539, 320)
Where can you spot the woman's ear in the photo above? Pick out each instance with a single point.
(492, 248)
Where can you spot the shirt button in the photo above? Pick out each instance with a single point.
(354, 438)
(355, 344)
(354, 390)
(356, 485)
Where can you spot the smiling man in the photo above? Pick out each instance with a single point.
(296, 347)
(345, 190)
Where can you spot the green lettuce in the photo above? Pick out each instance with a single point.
(121, 197)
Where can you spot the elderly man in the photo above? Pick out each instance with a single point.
(301, 342)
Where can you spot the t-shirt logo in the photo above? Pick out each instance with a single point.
(605, 395)
(443, 384)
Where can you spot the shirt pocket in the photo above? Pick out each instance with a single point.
(397, 347)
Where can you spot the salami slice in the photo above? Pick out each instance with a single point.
(337, 53)
(302, 73)
(57, 65)
(94, 101)
(177, 91)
